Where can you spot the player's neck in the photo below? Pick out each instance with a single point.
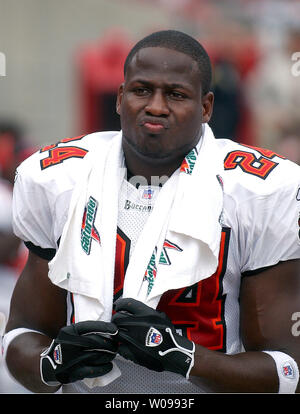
(153, 171)
(150, 175)
(138, 180)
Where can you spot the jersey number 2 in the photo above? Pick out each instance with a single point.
(249, 163)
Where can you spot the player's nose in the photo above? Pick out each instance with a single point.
(157, 104)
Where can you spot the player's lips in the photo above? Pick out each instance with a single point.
(154, 125)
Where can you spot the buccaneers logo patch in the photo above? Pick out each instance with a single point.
(88, 229)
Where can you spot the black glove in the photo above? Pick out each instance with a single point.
(81, 350)
(148, 338)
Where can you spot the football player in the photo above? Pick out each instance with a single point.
(230, 330)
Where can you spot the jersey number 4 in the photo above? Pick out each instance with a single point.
(59, 154)
(198, 310)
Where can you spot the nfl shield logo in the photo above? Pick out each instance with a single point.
(148, 194)
(153, 337)
(57, 354)
(287, 370)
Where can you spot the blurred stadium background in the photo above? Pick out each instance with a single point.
(64, 63)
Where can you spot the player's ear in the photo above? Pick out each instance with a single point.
(119, 98)
(207, 106)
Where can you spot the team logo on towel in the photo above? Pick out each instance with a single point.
(164, 258)
(88, 229)
(151, 271)
(189, 162)
(153, 337)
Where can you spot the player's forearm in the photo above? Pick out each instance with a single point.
(23, 361)
(249, 372)
(9, 245)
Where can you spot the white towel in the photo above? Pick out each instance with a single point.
(72, 268)
(185, 220)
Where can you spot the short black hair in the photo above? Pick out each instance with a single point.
(181, 42)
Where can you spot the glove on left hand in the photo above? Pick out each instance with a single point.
(81, 350)
(148, 338)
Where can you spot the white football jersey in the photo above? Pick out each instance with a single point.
(260, 228)
(5, 204)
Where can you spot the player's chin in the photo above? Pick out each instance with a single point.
(156, 155)
(153, 150)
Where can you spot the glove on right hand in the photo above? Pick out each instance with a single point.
(81, 350)
(148, 338)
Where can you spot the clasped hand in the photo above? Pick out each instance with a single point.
(137, 332)
(81, 350)
(148, 338)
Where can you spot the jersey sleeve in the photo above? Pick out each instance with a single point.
(44, 186)
(41, 201)
(43, 189)
(269, 226)
(31, 214)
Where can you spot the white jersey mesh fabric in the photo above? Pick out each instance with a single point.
(136, 379)
(135, 206)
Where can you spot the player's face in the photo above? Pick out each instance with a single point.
(161, 104)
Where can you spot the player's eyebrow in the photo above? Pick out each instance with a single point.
(178, 86)
(142, 81)
(167, 85)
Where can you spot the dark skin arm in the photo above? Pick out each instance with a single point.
(9, 245)
(36, 304)
(268, 301)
